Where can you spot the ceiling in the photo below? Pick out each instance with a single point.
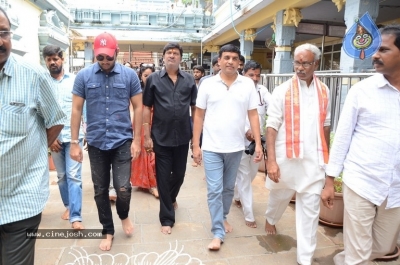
(326, 9)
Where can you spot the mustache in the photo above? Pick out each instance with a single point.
(377, 62)
(3, 49)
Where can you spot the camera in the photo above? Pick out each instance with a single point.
(252, 146)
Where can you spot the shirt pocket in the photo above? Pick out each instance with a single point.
(93, 90)
(14, 120)
(120, 90)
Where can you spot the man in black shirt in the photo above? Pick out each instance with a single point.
(170, 92)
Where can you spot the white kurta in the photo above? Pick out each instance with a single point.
(305, 174)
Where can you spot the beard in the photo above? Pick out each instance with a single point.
(55, 70)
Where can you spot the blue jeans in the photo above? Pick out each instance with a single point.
(221, 170)
(101, 162)
(69, 181)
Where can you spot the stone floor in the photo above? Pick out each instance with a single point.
(190, 236)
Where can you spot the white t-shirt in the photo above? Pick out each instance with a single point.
(226, 111)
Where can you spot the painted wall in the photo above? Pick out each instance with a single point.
(28, 16)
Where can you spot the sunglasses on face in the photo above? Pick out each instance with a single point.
(147, 65)
(102, 57)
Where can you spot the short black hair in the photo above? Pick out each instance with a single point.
(241, 58)
(251, 65)
(392, 30)
(51, 50)
(214, 60)
(173, 45)
(5, 14)
(199, 67)
(229, 48)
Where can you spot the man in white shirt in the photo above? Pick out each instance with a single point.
(222, 104)
(367, 148)
(298, 128)
(243, 196)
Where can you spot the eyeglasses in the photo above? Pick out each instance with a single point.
(305, 64)
(101, 58)
(5, 35)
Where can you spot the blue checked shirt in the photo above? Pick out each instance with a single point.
(64, 97)
(27, 107)
(107, 104)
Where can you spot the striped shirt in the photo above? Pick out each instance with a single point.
(64, 97)
(27, 107)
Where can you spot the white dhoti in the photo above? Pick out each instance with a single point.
(243, 191)
(304, 175)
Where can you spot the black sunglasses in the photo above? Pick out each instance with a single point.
(101, 58)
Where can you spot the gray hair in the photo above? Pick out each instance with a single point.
(309, 47)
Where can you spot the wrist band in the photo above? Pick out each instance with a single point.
(145, 123)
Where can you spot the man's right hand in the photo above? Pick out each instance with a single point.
(56, 146)
(148, 144)
(75, 153)
(273, 170)
(197, 157)
(328, 193)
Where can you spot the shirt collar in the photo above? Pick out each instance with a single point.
(239, 77)
(117, 68)
(163, 72)
(8, 68)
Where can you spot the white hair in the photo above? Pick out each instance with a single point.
(309, 47)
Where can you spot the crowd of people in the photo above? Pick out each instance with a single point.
(138, 129)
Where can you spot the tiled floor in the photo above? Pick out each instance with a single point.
(190, 236)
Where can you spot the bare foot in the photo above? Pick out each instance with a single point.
(65, 215)
(154, 191)
(215, 244)
(127, 226)
(237, 203)
(251, 224)
(77, 225)
(175, 204)
(106, 243)
(166, 230)
(228, 227)
(270, 229)
(112, 198)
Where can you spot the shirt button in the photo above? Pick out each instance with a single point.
(106, 119)
(106, 97)
(106, 75)
(106, 108)
(106, 86)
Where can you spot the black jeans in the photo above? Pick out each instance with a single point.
(101, 162)
(15, 247)
(170, 172)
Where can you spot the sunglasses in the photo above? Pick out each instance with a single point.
(101, 58)
(147, 65)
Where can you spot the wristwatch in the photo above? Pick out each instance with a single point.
(74, 141)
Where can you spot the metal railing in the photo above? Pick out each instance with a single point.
(338, 84)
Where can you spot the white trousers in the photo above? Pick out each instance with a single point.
(369, 231)
(307, 214)
(243, 191)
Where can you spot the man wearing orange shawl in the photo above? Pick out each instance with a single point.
(298, 128)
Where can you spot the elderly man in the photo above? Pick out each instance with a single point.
(31, 119)
(298, 128)
(367, 148)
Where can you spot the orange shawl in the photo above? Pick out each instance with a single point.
(292, 118)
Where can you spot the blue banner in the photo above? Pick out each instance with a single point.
(363, 39)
